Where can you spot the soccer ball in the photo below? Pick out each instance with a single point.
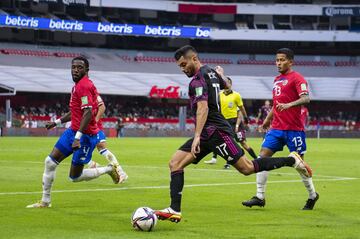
(144, 219)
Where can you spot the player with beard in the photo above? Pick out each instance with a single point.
(212, 133)
(233, 110)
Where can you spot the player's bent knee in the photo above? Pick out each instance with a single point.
(247, 172)
(101, 146)
(244, 168)
(174, 165)
(50, 163)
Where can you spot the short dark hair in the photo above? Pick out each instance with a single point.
(229, 79)
(288, 52)
(183, 51)
(82, 58)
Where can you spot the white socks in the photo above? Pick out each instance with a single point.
(92, 173)
(261, 179)
(48, 178)
(309, 186)
(109, 156)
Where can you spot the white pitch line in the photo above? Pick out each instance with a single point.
(193, 169)
(167, 186)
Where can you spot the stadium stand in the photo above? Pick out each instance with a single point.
(42, 53)
(296, 63)
(135, 65)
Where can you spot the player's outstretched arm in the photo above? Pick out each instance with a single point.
(85, 120)
(303, 100)
(65, 118)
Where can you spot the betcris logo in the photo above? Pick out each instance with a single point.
(66, 25)
(202, 33)
(114, 28)
(162, 31)
(106, 28)
(21, 21)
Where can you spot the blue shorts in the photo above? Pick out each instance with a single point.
(101, 137)
(81, 156)
(276, 139)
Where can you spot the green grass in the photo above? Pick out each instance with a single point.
(209, 211)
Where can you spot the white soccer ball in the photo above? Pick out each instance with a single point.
(144, 219)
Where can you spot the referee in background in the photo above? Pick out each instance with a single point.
(233, 110)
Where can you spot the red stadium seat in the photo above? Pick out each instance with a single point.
(163, 59)
(40, 53)
(298, 63)
(347, 63)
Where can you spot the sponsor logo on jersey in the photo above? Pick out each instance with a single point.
(198, 91)
(84, 100)
(212, 75)
(303, 87)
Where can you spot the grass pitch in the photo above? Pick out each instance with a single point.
(211, 197)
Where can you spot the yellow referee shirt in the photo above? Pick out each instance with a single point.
(230, 104)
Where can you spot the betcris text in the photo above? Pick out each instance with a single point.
(202, 33)
(66, 25)
(114, 28)
(162, 31)
(21, 21)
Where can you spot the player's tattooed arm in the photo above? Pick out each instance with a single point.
(65, 118)
(221, 73)
(201, 116)
(303, 100)
(85, 120)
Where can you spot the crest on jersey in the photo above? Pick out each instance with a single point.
(84, 100)
(303, 87)
(285, 82)
(212, 75)
(230, 105)
(198, 91)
